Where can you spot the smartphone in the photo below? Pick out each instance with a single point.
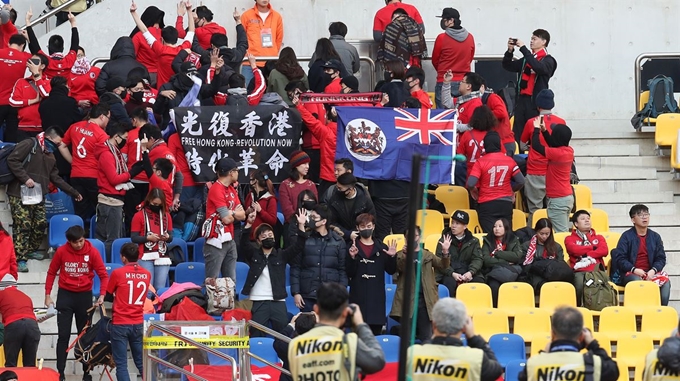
(541, 120)
(35, 61)
(514, 41)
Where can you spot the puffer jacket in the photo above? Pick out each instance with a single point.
(512, 254)
(464, 258)
(123, 60)
(322, 260)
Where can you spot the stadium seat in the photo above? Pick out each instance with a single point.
(430, 222)
(151, 317)
(241, 275)
(453, 197)
(443, 291)
(507, 347)
(280, 217)
(431, 242)
(160, 291)
(490, 321)
(612, 239)
(197, 255)
(514, 297)
(390, 291)
(632, 347)
(604, 340)
(96, 282)
(93, 226)
(290, 303)
(644, 99)
(659, 322)
(599, 219)
(559, 238)
(390, 346)
(666, 132)
(476, 296)
(675, 163)
(587, 318)
(519, 219)
(640, 294)
(480, 238)
(584, 197)
(513, 369)
(193, 272)
(532, 323)
(388, 278)
(431, 96)
(101, 248)
(474, 225)
(538, 214)
(288, 274)
(555, 294)
(58, 226)
(182, 245)
(115, 249)
(608, 266)
(264, 348)
(617, 320)
(624, 375)
(538, 344)
(400, 238)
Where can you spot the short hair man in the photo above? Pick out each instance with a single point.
(365, 353)
(640, 255)
(349, 56)
(449, 322)
(342, 166)
(415, 80)
(384, 15)
(264, 27)
(470, 97)
(663, 364)
(344, 211)
(562, 354)
(299, 324)
(27, 94)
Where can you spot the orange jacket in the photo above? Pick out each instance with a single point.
(253, 24)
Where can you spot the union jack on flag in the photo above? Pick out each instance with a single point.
(423, 123)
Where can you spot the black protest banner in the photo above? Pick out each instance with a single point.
(260, 137)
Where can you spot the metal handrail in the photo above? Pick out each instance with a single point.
(44, 17)
(277, 335)
(176, 368)
(638, 71)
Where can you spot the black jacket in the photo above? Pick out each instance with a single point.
(275, 262)
(122, 61)
(60, 110)
(117, 106)
(322, 260)
(346, 219)
(225, 73)
(544, 68)
(609, 370)
(367, 280)
(163, 105)
(233, 57)
(491, 368)
(396, 90)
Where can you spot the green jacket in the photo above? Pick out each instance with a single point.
(465, 256)
(277, 84)
(513, 253)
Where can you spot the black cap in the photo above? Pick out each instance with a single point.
(351, 81)
(450, 13)
(226, 164)
(461, 216)
(114, 83)
(332, 64)
(187, 67)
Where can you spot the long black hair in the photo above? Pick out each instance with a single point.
(505, 239)
(549, 244)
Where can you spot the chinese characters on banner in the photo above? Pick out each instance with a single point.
(261, 137)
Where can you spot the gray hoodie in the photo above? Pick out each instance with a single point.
(457, 34)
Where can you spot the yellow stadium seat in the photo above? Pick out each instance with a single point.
(659, 322)
(514, 297)
(401, 240)
(632, 347)
(587, 318)
(539, 343)
(540, 213)
(612, 239)
(532, 323)
(604, 340)
(624, 374)
(640, 294)
(666, 132)
(453, 197)
(617, 320)
(519, 219)
(431, 242)
(555, 294)
(675, 163)
(512, 118)
(474, 225)
(599, 219)
(516, 152)
(490, 321)
(608, 266)
(639, 369)
(644, 99)
(584, 197)
(431, 95)
(480, 237)
(559, 238)
(430, 222)
(476, 296)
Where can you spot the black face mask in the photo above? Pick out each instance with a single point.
(268, 243)
(342, 194)
(311, 225)
(309, 204)
(137, 96)
(366, 233)
(122, 143)
(185, 80)
(155, 208)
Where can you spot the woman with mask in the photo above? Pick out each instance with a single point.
(306, 201)
(503, 256)
(394, 83)
(152, 230)
(539, 251)
(261, 200)
(140, 94)
(366, 264)
(81, 81)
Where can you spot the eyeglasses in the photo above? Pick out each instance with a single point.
(642, 215)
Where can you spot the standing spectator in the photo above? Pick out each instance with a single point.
(384, 16)
(470, 97)
(471, 142)
(324, 52)
(490, 183)
(159, 176)
(299, 324)
(205, 26)
(403, 39)
(503, 257)
(500, 111)
(8, 16)
(223, 208)
(306, 201)
(27, 94)
(132, 151)
(113, 97)
(29, 221)
(322, 260)
(367, 264)
(13, 61)
(76, 263)
(233, 57)
(537, 164)
(415, 80)
(59, 109)
(8, 259)
(640, 254)
(141, 96)
(59, 63)
(190, 188)
(558, 175)
(121, 62)
(21, 328)
(428, 292)
(84, 138)
(534, 71)
(332, 70)
(310, 144)
(291, 187)
(394, 86)
(390, 199)
(82, 81)
(261, 200)
(264, 27)
(62, 16)
(152, 139)
(266, 281)
(348, 202)
(539, 248)
(453, 51)
(349, 56)
(152, 17)
(286, 70)
(127, 324)
(152, 230)
(342, 166)
(586, 250)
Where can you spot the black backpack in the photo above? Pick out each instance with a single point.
(507, 94)
(6, 175)
(93, 346)
(661, 101)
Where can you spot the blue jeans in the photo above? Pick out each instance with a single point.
(159, 274)
(438, 92)
(665, 290)
(121, 335)
(247, 72)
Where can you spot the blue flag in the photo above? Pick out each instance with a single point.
(382, 142)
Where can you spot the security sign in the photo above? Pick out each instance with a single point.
(215, 341)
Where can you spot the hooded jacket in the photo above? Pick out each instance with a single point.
(143, 51)
(181, 84)
(117, 107)
(76, 268)
(122, 61)
(560, 159)
(453, 50)
(59, 109)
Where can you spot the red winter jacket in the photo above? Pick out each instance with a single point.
(8, 258)
(76, 268)
(108, 177)
(597, 249)
(24, 91)
(500, 111)
(12, 67)
(268, 213)
(308, 139)
(327, 135)
(449, 54)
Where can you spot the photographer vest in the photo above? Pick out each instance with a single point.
(432, 361)
(561, 366)
(324, 353)
(656, 371)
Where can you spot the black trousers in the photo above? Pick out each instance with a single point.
(266, 312)
(23, 135)
(70, 305)
(391, 216)
(490, 211)
(525, 109)
(22, 335)
(8, 116)
(88, 188)
(133, 197)
(423, 325)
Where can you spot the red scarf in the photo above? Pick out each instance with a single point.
(528, 81)
(500, 246)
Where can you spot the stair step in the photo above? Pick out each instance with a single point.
(656, 209)
(623, 162)
(615, 186)
(614, 174)
(667, 220)
(625, 197)
(585, 150)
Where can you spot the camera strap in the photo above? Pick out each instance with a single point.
(589, 366)
(348, 362)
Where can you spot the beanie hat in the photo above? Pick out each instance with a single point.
(114, 83)
(7, 281)
(492, 142)
(545, 99)
(561, 135)
(297, 158)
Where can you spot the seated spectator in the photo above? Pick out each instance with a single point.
(471, 142)
(261, 200)
(324, 52)
(205, 26)
(384, 16)
(349, 56)
(238, 94)
(13, 61)
(59, 63)
(27, 94)
(640, 254)
(428, 292)
(342, 166)
(465, 254)
(113, 97)
(454, 51)
(82, 81)
(402, 40)
(286, 70)
(470, 97)
(59, 109)
(348, 202)
(266, 281)
(121, 62)
(503, 256)
(415, 79)
(152, 17)
(586, 250)
(300, 324)
(21, 332)
(539, 249)
(291, 187)
(394, 86)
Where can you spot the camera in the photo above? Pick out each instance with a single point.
(514, 41)
(348, 322)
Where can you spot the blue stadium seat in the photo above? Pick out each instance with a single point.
(390, 345)
(241, 274)
(508, 347)
(101, 248)
(197, 255)
(58, 226)
(115, 249)
(390, 291)
(160, 291)
(182, 244)
(279, 215)
(287, 275)
(388, 279)
(156, 317)
(96, 282)
(513, 369)
(93, 225)
(193, 272)
(443, 291)
(290, 303)
(263, 347)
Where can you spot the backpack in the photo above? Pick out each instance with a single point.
(6, 175)
(93, 346)
(221, 292)
(597, 292)
(507, 94)
(661, 101)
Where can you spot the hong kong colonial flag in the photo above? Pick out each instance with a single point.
(382, 141)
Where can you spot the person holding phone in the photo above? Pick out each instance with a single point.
(26, 96)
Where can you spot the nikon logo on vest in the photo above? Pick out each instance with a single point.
(445, 368)
(326, 353)
(660, 370)
(571, 372)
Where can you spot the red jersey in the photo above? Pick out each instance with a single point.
(558, 176)
(450, 54)
(423, 97)
(176, 148)
(494, 171)
(129, 285)
(205, 32)
(466, 109)
(384, 15)
(13, 67)
(59, 66)
(164, 55)
(471, 144)
(76, 268)
(164, 185)
(145, 55)
(15, 305)
(133, 151)
(82, 86)
(537, 164)
(112, 170)
(25, 90)
(84, 137)
(222, 196)
(161, 151)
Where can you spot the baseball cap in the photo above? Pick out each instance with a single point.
(461, 216)
(226, 164)
(332, 64)
(187, 67)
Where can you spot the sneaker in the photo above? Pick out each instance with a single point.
(21, 267)
(36, 255)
